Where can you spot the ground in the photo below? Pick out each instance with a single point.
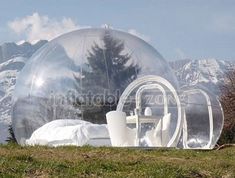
(17, 161)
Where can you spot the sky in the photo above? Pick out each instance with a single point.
(179, 29)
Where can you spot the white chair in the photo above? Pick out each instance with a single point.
(119, 133)
(160, 136)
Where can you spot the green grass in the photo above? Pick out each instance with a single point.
(17, 161)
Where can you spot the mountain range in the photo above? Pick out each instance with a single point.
(207, 72)
(12, 59)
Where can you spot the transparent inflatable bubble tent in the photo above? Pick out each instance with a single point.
(107, 87)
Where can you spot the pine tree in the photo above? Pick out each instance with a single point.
(11, 138)
(109, 72)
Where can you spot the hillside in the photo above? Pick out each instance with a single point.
(209, 73)
(16, 161)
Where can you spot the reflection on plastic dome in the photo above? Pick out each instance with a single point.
(85, 74)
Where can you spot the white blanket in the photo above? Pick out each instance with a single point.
(70, 132)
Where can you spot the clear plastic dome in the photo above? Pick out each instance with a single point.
(202, 117)
(81, 75)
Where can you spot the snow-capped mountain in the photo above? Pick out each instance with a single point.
(206, 72)
(11, 50)
(12, 60)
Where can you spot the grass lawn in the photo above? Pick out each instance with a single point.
(17, 161)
